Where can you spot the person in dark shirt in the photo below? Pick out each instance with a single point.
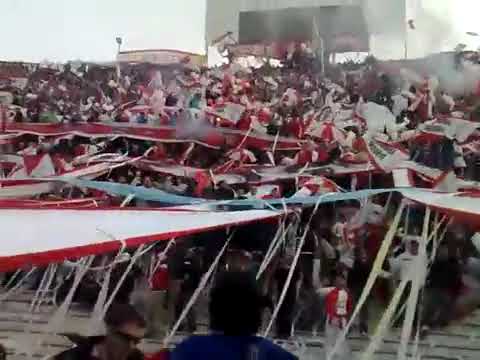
(285, 315)
(191, 274)
(235, 310)
(440, 292)
(125, 330)
(171, 100)
(357, 278)
(3, 353)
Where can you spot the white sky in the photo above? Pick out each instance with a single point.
(60, 30)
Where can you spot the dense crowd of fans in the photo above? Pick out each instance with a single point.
(293, 101)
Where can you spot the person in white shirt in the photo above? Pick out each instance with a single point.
(448, 100)
(409, 263)
(459, 162)
(407, 266)
(400, 104)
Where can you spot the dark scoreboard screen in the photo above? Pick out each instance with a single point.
(297, 24)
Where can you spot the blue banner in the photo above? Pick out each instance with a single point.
(246, 204)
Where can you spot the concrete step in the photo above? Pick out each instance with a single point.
(23, 332)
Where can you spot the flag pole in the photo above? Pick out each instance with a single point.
(119, 41)
(321, 44)
(405, 44)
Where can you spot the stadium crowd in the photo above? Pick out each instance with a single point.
(333, 115)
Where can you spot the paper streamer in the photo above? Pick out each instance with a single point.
(384, 323)
(57, 320)
(96, 320)
(196, 294)
(292, 268)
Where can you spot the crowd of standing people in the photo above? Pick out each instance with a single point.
(333, 116)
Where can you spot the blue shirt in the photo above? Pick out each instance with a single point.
(221, 347)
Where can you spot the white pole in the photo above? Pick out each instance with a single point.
(119, 43)
(316, 33)
(322, 54)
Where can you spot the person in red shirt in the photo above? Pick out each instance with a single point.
(157, 312)
(311, 153)
(203, 181)
(338, 306)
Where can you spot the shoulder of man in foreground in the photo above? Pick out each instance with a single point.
(75, 353)
(276, 351)
(190, 347)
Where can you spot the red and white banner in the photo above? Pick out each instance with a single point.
(384, 156)
(52, 204)
(34, 166)
(316, 186)
(463, 206)
(327, 132)
(211, 137)
(231, 112)
(17, 189)
(453, 128)
(6, 139)
(56, 235)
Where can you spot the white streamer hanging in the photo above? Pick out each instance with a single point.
(14, 289)
(57, 320)
(197, 292)
(138, 253)
(13, 278)
(292, 267)
(384, 323)
(96, 318)
(43, 288)
(272, 249)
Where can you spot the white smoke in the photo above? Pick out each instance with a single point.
(459, 82)
(193, 125)
(388, 25)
